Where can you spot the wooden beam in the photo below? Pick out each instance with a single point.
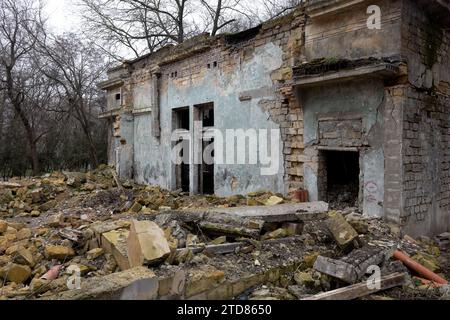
(361, 289)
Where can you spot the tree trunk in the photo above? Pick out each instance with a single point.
(16, 100)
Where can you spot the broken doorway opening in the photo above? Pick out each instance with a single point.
(205, 170)
(181, 122)
(339, 178)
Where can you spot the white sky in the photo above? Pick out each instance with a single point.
(62, 15)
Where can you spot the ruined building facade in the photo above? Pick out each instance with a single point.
(357, 106)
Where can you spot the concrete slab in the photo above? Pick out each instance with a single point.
(307, 211)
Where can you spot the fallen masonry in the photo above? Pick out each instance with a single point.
(203, 247)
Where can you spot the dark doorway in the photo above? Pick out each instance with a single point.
(182, 118)
(206, 169)
(181, 121)
(341, 171)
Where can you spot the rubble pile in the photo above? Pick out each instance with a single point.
(71, 235)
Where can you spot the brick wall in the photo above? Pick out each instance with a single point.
(426, 122)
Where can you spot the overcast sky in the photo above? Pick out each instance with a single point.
(62, 15)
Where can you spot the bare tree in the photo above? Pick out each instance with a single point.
(17, 20)
(221, 14)
(146, 25)
(74, 68)
(271, 9)
(137, 25)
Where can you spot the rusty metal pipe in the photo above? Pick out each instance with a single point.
(417, 267)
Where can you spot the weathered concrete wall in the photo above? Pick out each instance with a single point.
(358, 104)
(153, 158)
(245, 77)
(344, 33)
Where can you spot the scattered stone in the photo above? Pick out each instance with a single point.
(358, 223)
(60, 253)
(136, 207)
(115, 242)
(428, 261)
(24, 256)
(304, 279)
(310, 259)
(40, 286)
(95, 253)
(15, 273)
(342, 231)
(203, 279)
(55, 220)
(35, 213)
(23, 234)
(219, 240)
(274, 200)
(293, 229)
(88, 187)
(107, 287)
(355, 265)
(146, 244)
(277, 234)
(48, 205)
(183, 256)
(37, 195)
(3, 226)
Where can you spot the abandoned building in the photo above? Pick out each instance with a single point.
(363, 113)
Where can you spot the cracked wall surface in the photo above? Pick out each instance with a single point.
(396, 118)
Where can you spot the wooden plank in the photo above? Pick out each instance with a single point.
(361, 289)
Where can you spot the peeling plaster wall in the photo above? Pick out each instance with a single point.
(152, 158)
(348, 100)
(345, 34)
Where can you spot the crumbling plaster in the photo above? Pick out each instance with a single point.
(152, 157)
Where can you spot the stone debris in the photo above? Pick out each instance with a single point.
(146, 244)
(342, 231)
(142, 242)
(355, 265)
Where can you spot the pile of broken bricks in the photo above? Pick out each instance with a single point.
(153, 267)
(168, 245)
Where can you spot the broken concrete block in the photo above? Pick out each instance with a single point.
(172, 287)
(147, 244)
(115, 242)
(203, 279)
(110, 287)
(354, 266)
(342, 231)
